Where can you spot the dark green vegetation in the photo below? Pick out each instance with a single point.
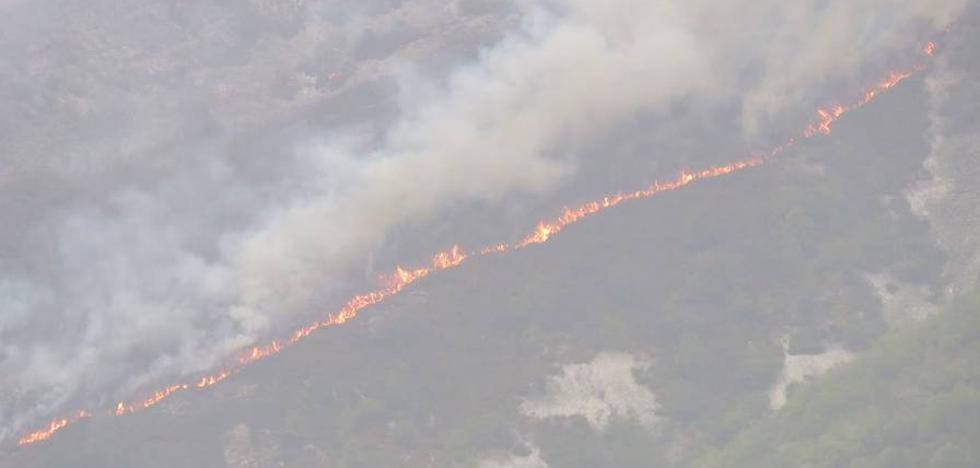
(913, 400)
(703, 283)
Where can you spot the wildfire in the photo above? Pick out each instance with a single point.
(402, 277)
(494, 249)
(826, 118)
(122, 409)
(54, 426)
(210, 380)
(546, 229)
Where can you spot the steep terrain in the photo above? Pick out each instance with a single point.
(675, 310)
(816, 310)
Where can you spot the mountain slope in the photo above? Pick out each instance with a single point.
(687, 296)
(913, 400)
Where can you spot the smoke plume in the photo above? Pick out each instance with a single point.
(179, 180)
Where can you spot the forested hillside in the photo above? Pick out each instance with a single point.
(819, 310)
(651, 335)
(913, 400)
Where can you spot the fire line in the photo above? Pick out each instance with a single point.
(401, 277)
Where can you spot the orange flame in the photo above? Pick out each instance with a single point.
(546, 229)
(494, 249)
(122, 409)
(826, 118)
(161, 394)
(402, 277)
(210, 380)
(54, 426)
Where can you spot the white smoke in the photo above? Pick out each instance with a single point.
(145, 239)
(817, 42)
(487, 133)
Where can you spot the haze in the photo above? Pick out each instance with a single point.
(182, 182)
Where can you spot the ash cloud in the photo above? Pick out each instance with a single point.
(181, 180)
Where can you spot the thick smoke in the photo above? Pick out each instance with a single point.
(818, 42)
(486, 133)
(181, 179)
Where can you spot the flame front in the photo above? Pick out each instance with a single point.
(401, 277)
(546, 229)
(826, 118)
(54, 426)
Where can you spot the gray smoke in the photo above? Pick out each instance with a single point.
(179, 180)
